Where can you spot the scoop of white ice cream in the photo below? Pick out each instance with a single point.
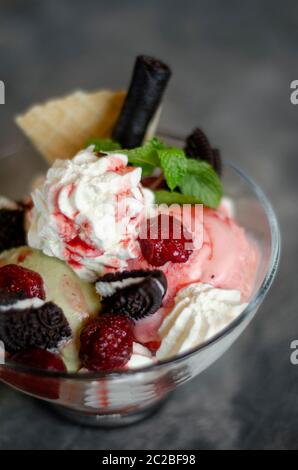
(200, 312)
(88, 212)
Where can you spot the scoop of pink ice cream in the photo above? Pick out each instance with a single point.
(227, 258)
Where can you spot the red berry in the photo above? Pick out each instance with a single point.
(153, 345)
(153, 182)
(16, 279)
(38, 385)
(41, 359)
(106, 343)
(165, 239)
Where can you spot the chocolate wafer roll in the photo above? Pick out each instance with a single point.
(148, 83)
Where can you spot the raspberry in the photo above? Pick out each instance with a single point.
(154, 182)
(43, 387)
(106, 343)
(165, 240)
(41, 359)
(16, 279)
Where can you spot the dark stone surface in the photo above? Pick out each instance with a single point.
(233, 63)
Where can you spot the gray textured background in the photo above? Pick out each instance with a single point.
(233, 63)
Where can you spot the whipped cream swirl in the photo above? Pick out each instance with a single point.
(200, 312)
(88, 212)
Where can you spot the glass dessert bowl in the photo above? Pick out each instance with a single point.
(116, 398)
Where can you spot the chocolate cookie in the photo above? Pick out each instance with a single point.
(136, 294)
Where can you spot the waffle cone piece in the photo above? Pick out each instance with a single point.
(59, 128)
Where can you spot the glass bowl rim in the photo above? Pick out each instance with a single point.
(254, 302)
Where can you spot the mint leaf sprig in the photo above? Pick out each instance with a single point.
(147, 154)
(103, 145)
(202, 182)
(196, 180)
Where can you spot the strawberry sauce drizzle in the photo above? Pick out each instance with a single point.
(75, 247)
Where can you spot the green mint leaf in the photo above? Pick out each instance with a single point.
(163, 196)
(147, 170)
(145, 155)
(157, 143)
(202, 183)
(174, 165)
(103, 145)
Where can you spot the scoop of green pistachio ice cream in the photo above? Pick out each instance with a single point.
(77, 298)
